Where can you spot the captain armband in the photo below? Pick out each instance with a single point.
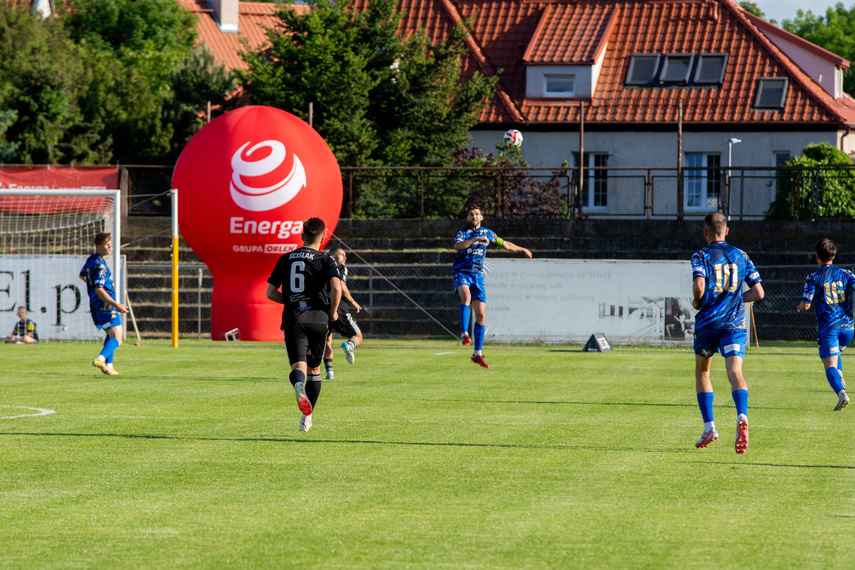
(499, 241)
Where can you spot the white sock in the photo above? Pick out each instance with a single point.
(477, 353)
(741, 417)
(109, 366)
(709, 426)
(101, 358)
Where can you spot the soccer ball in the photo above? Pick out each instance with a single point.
(513, 138)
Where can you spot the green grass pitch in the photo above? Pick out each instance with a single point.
(552, 458)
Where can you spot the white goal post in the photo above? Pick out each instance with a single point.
(45, 238)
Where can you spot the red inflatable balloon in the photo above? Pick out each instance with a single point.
(246, 183)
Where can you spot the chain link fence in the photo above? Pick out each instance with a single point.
(416, 301)
(505, 192)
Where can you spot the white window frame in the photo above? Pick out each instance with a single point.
(595, 184)
(697, 181)
(557, 77)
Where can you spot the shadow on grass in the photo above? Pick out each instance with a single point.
(693, 405)
(306, 440)
(774, 465)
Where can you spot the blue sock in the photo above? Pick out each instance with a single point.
(464, 319)
(740, 398)
(110, 345)
(835, 379)
(705, 400)
(478, 331)
(840, 364)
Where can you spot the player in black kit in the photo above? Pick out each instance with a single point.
(310, 292)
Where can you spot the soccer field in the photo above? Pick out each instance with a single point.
(551, 458)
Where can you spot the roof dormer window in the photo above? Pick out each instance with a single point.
(710, 68)
(559, 86)
(643, 68)
(676, 68)
(771, 93)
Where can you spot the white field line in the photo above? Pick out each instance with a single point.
(39, 412)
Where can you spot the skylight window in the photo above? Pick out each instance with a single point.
(643, 68)
(676, 68)
(771, 93)
(710, 68)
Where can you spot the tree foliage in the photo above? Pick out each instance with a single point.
(378, 99)
(752, 8)
(819, 183)
(835, 32)
(43, 78)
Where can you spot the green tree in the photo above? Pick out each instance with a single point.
(819, 183)
(834, 32)
(752, 8)
(196, 82)
(134, 46)
(43, 78)
(378, 98)
(8, 149)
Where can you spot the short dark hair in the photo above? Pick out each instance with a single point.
(715, 223)
(471, 207)
(102, 237)
(313, 228)
(335, 251)
(825, 250)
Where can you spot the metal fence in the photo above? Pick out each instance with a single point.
(416, 301)
(560, 192)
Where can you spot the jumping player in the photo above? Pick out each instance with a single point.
(305, 275)
(345, 325)
(832, 287)
(718, 271)
(102, 303)
(468, 274)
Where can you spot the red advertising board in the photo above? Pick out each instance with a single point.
(34, 178)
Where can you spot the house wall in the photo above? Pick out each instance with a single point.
(820, 69)
(751, 193)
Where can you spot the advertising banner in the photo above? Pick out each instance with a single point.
(55, 297)
(55, 177)
(565, 301)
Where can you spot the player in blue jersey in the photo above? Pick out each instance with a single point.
(832, 287)
(468, 274)
(718, 271)
(102, 301)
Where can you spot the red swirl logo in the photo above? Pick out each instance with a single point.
(258, 185)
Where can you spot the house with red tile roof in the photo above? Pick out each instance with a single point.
(229, 27)
(649, 84)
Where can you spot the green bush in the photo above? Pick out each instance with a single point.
(819, 183)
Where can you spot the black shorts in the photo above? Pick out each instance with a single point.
(345, 325)
(305, 342)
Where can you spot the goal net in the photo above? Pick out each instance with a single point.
(45, 238)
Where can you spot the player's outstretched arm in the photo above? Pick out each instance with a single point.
(345, 294)
(513, 247)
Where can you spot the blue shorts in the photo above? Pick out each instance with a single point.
(106, 320)
(833, 341)
(475, 282)
(730, 342)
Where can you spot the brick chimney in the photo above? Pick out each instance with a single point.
(226, 13)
